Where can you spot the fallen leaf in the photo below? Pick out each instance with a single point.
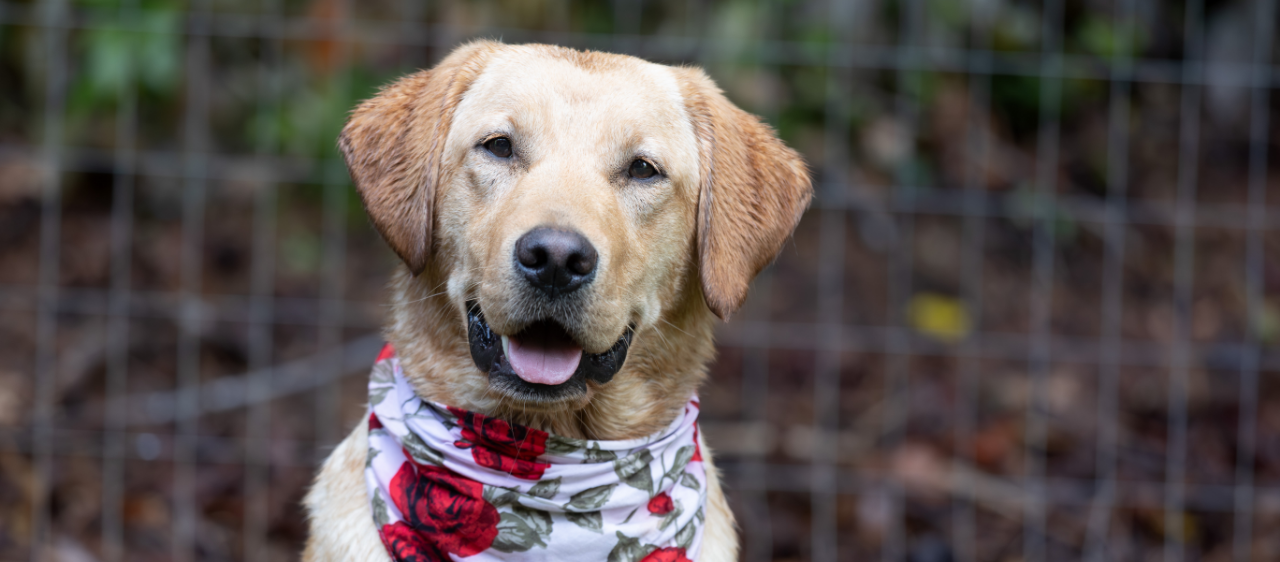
(939, 316)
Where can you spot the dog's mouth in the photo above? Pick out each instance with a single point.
(542, 362)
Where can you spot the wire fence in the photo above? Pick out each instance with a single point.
(1033, 314)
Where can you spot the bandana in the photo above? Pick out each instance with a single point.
(448, 484)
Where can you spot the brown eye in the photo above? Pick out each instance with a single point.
(500, 147)
(641, 170)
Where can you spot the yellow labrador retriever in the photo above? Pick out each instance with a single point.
(559, 212)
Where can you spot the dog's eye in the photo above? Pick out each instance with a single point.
(500, 147)
(641, 170)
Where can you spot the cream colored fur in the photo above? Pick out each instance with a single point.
(674, 253)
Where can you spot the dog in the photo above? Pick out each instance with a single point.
(572, 224)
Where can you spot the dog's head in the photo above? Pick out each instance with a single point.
(567, 202)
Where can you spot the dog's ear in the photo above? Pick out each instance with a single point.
(752, 193)
(393, 144)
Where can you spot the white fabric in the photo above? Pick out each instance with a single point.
(446, 484)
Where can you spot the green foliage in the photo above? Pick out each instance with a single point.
(952, 13)
(1103, 37)
(922, 86)
(146, 53)
(594, 17)
(308, 120)
(1016, 29)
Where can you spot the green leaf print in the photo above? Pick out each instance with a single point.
(690, 481)
(545, 488)
(634, 470)
(499, 497)
(591, 520)
(522, 529)
(379, 394)
(420, 451)
(683, 454)
(684, 537)
(557, 445)
(590, 499)
(627, 550)
(671, 517)
(379, 509)
(382, 374)
(595, 454)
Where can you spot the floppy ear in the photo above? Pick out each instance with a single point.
(393, 144)
(752, 194)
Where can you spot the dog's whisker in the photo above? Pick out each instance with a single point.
(431, 295)
(471, 284)
(658, 330)
(677, 328)
(427, 297)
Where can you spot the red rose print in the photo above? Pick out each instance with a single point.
(406, 545)
(697, 445)
(386, 353)
(502, 446)
(661, 504)
(669, 554)
(374, 422)
(444, 509)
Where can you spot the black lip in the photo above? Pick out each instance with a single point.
(486, 351)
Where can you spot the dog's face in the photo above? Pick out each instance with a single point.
(570, 215)
(565, 201)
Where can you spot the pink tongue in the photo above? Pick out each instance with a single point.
(543, 362)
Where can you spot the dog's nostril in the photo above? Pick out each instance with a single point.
(532, 256)
(581, 264)
(555, 261)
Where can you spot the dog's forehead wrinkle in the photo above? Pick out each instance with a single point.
(589, 121)
(517, 81)
(584, 81)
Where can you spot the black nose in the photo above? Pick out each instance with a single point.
(555, 261)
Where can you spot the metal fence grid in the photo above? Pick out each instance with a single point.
(897, 388)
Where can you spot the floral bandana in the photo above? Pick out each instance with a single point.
(449, 484)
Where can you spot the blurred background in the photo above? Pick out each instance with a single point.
(1033, 314)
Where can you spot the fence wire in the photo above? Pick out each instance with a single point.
(1033, 314)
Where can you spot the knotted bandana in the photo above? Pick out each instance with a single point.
(447, 484)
